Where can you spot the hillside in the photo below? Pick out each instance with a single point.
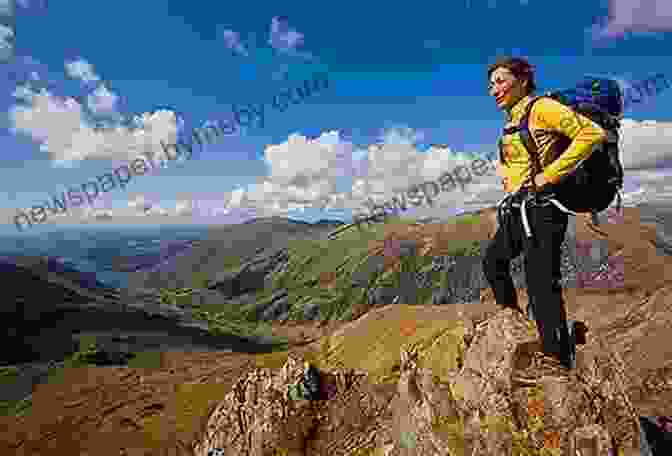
(625, 365)
(228, 246)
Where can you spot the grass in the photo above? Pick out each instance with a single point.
(382, 338)
(8, 374)
(309, 260)
(16, 408)
(438, 341)
(187, 405)
(148, 359)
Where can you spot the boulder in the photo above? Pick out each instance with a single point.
(311, 311)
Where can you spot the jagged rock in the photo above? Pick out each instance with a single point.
(383, 295)
(269, 412)
(311, 311)
(475, 409)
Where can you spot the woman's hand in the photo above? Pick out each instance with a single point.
(501, 172)
(540, 180)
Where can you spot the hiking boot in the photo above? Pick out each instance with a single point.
(541, 365)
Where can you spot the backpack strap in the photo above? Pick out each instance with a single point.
(527, 139)
(529, 143)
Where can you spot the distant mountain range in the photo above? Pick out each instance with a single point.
(280, 219)
(42, 294)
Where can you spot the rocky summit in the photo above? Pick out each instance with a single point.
(470, 406)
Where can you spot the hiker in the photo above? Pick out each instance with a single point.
(563, 139)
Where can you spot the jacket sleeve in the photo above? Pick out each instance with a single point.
(551, 115)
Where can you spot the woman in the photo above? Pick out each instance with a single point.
(564, 138)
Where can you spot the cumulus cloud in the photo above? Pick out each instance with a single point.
(641, 16)
(157, 210)
(81, 69)
(184, 207)
(200, 208)
(140, 204)
(6, 8)
(428, 167)
(303, 171)
(645, 144)
(649, 186)
(69, 131)
(237, 197)
(102, 100)
(98, 214)
(303, 174)
(233, 42)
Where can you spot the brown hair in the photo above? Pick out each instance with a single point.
(519, 67)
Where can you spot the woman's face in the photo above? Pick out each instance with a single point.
(506, 88)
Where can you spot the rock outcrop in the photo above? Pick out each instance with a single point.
(475, 409)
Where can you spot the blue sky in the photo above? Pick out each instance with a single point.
(407, 77)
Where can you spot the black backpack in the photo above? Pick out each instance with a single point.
(595, 182)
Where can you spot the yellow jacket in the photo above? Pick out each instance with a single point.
(547, 118)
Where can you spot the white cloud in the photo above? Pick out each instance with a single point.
(237, 197)
(233, 42)
(303, 174)
(102, 100)
(201, 209)
(81, 69)
(6, 43)
(629, 16)
(645, 144)
(68, 132)
(140, 204)
(23, 92)
(6, 7)
(184, 207)
(156, 210)
(98, 214)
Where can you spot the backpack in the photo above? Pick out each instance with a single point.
(595, 182)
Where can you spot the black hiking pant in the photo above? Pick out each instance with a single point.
(542, 270)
